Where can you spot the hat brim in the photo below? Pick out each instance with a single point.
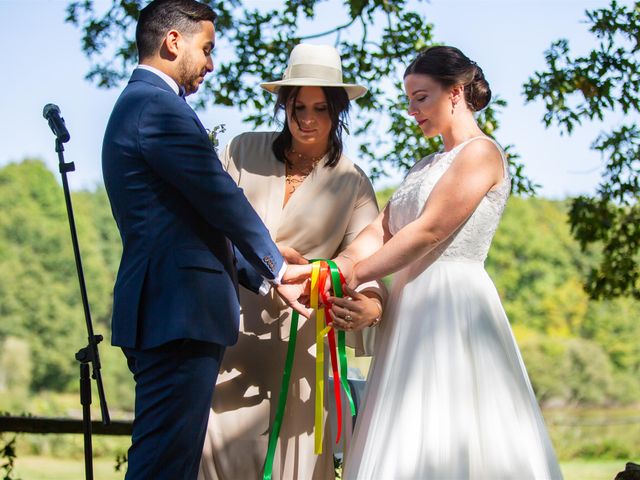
(353, 91)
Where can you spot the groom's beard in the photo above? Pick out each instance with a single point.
(189, 75)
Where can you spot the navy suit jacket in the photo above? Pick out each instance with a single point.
(178, 213)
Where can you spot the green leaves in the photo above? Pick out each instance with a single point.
(592, 87)
(534, 261)
(376, 38)
(621, 148)
(7, 458)
(99, 34)
(39, 294)
(576, 349)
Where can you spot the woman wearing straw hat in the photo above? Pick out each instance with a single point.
(314, 201)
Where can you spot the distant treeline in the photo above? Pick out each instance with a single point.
(577, 351)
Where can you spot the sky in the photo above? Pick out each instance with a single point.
(43, 63)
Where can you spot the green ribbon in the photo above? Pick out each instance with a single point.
(286, 375)
(336, 281)
(282, 401)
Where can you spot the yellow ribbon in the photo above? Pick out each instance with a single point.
(321, 331)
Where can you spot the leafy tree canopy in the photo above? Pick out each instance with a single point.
(376, 38)
(592, 87)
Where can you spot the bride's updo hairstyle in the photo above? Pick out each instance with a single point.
(449, 67)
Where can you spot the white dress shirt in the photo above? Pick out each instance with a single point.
(170, 81)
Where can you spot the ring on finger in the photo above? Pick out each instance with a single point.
(348, 318)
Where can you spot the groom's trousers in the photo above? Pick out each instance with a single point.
(174, 387)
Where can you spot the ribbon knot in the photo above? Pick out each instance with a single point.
(321, 271)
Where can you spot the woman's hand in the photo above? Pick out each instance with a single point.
(356, 310)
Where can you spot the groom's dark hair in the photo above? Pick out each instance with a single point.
(160, 16)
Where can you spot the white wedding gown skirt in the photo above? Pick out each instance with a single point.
(448, 395)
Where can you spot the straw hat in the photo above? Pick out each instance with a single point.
(314, 66)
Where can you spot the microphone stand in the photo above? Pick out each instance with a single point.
(88, 354)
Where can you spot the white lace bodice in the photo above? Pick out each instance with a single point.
(473, 239)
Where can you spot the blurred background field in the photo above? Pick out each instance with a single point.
(583, 355)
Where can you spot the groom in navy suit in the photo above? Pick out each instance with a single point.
(180, 216)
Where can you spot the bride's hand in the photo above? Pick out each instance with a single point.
(345, 264)
(355, 311)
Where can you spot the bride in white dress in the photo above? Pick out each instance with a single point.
(448, 396)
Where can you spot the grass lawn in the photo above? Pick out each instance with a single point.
(46, 468)
(591, 469)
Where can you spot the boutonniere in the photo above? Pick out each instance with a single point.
(213, 135)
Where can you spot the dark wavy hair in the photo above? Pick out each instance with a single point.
(449, 67)
(160, 16)
(338, 107)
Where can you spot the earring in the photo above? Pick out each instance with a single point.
(453, 106)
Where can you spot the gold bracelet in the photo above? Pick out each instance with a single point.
(376, 321)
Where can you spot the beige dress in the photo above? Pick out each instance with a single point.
(322, 217)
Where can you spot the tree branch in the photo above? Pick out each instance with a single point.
(333, 30)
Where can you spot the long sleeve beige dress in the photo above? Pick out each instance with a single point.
(321, 218)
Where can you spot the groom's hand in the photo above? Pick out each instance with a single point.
(292, 256)
(295, 284)
(296, 274)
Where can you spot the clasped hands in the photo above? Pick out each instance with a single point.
(353, 312)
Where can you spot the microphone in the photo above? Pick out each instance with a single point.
(51, 113)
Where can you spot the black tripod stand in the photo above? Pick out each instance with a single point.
(88, 354)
